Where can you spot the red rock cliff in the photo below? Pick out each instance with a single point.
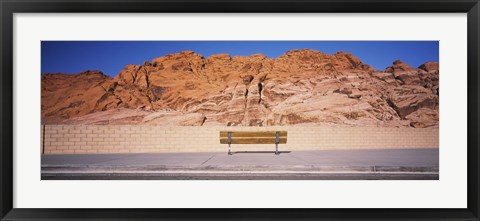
(301, 87)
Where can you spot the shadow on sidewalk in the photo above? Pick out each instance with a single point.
(270, 152)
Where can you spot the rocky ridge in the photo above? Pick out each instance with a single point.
(301, 87)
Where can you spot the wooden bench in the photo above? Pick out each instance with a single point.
(253, 137)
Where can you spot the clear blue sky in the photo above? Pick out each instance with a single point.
(111, 56)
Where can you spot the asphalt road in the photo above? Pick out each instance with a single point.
(393, 164)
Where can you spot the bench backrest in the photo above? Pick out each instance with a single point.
(253, 137)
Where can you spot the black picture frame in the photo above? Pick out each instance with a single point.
(9, 7)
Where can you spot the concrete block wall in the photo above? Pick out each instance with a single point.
(79, 139)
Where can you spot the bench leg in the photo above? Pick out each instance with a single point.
(229, 152)
(276, 149)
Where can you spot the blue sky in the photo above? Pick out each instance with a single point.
(111, 56)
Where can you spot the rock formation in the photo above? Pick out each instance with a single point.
(301, 87)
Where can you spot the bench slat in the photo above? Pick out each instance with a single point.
(253, 134)
(253, 140)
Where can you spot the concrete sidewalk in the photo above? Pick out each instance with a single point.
(320, 164)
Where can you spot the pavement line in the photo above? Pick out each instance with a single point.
(208, 159)
(234, 172)
(301, 159)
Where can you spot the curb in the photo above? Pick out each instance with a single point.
(233, 168)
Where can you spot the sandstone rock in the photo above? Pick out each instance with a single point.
(429, 66)
(174, 119)
(65, 96)
(407, 99)
(423, 117)
(355, 94)
(301, 87)
(398, 67)
(119, 116)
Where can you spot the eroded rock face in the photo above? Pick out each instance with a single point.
(66, 96)
(424, 117)
(174, 119)
(118, 116)
(408, 99)
(429, 67)
(301, 87)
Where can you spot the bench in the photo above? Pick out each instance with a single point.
(253, 137)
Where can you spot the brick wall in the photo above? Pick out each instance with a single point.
(124, 139)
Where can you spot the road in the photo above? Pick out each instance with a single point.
(392, 164)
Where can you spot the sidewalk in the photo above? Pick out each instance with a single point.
(320, 164)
